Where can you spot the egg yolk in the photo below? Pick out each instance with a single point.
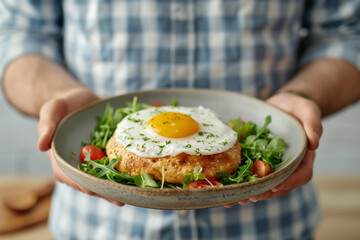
(173, 125)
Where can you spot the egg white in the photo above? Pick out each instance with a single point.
(213, 137)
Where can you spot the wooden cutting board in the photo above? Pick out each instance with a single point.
(11, 221)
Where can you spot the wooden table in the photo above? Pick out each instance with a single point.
(339, 198)
(31, 224)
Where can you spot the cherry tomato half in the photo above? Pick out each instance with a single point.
(204, 184)
(95, 153)
(157, 104)
(261, 168)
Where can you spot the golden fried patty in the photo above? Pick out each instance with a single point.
(173, 167)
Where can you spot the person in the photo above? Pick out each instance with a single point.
(301, 56)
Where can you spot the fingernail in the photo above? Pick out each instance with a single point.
(276, 189)
(316, 140)
(317, 135)
(254, 199)
(43, 132)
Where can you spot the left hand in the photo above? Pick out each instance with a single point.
(51, 113)
(309, 115)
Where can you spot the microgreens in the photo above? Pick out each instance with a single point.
(194, 176)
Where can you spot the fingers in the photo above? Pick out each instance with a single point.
(305, 110)
(229, 205)
(51, 113)
(309, 115)
(302, 174)
(111, 201)
(269, 195)
(63, 178)
(244, 202)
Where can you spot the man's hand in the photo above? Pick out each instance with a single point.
(54, 110)
(51, 114)
(309, 115)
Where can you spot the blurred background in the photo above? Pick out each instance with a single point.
(336, 173)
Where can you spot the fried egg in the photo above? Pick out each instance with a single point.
(168, 131)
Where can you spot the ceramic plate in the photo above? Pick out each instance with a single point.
(77, 128)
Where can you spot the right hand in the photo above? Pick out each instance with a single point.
(50, 115)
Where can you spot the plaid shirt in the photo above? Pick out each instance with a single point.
(113, 46)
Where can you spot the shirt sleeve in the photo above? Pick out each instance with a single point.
(30, 27)
(332, 30)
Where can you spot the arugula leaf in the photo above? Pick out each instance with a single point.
(261, 131)
(276, 145)
(194, 176)
(244, 171)
(240, 175)
(253, 178)
(222, 175)
(103, 168)
(145, 180)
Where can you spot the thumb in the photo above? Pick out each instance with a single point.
(50, 115)
(56, 109)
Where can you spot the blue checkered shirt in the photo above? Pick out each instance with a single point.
(113, 47)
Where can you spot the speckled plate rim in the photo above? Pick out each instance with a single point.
(292, 163)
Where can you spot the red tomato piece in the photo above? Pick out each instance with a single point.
(204, 184)
(157, 104)
(95, 153)
(261, 168)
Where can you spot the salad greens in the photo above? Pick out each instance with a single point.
(107, 123)
(194, 176)
(104, 168)
(256, 144)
